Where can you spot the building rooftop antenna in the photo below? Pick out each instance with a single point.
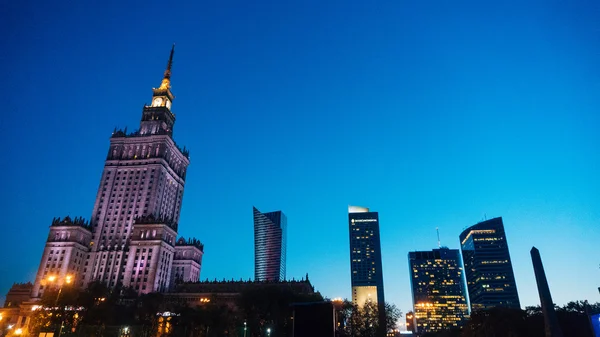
(438, 235)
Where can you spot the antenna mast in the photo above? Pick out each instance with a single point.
(438, 234)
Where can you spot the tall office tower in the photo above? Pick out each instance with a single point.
(365, 261)
(365, 256)
(488, 267)
(438, 290)
(131, 236)
(269, 245)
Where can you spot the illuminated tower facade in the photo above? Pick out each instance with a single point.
(269, 245)
(438, 290)
(365, 256)
(488, 267)
(131, 236)
(365, 262)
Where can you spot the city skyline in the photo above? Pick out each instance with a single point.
(430, 120)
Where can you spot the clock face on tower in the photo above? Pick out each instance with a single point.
(168, 104)
(157, 101)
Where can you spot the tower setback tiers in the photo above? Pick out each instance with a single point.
(133, 229)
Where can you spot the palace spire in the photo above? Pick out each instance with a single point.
(166, 82)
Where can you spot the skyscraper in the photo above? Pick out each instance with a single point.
(365, 256)
(438, 289)
(488, 267)
(269, 245)
(130, 239)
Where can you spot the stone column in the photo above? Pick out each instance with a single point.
(550, 320)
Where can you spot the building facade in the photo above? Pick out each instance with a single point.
(65, 254)
(131, 237)
(411, 322)
(197, 293)
(365, 256)
(438, 290)
(270, 235)
(488, 267)
(187, 262)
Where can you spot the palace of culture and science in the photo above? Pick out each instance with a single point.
(131, 238)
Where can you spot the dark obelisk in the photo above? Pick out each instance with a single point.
(550, 319)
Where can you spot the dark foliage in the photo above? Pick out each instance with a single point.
(502, 322)
(363, 322)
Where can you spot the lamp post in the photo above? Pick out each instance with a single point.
(245, 328)
(268, 332)
(68, 279)
(51, 279)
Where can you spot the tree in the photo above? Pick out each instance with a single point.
(392, 315)
(500, 322)
(269, 306)
(364, 322)
(56, 309)
(496, 322)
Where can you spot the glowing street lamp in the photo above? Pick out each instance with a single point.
(268, 332)
(52, 278)
(245, 327)
(68, 279)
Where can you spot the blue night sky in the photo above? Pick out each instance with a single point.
(433, 113)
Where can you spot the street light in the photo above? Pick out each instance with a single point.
(268, 332)
(52, 278)
(68, 280)
(245, 327)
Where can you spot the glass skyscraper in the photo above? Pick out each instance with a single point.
(438, 290)
(269, 245)
(365, 256)
(488, 267)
